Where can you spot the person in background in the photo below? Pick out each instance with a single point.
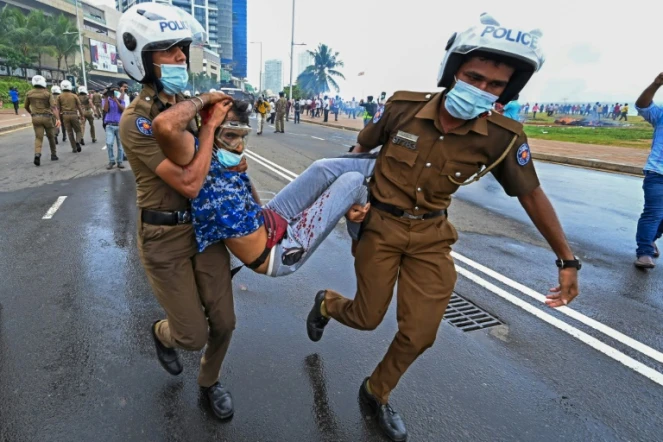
(13, 95)
(512, 109)
(96, 103)
(336, 107)
(124, 92)
(88, 113)
(352, 108)
(325, 108)
(650, 224)
(113, 107)
(624, 112)
(272, 111)
(288, 106)
(535, 109)
(298, 109)
(262, 109)
(281, 111)
(370, 108)
(40, 104)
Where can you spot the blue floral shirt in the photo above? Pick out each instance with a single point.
(225, 207)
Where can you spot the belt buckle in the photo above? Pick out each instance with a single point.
(410, 216)
(183, 217)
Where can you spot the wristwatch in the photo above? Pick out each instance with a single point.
(569, 263)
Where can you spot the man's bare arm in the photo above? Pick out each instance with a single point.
(647, 96)
(541, 212)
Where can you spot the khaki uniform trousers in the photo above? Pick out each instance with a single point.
(89, 117)
(195, 291)
(43, 125)
(72, 124)
(280, 122)
(418, 254)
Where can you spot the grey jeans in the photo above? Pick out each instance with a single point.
(314, 203)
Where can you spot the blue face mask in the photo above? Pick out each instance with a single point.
(466, 102)
(174, 78)
(228, 159)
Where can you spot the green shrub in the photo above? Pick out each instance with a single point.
(20, 83)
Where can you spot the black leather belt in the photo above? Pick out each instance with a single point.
(158, 218)
(69, 113)
(42, 115)
(400, 213)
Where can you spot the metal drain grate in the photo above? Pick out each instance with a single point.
(466, 316)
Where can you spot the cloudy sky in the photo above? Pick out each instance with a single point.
(594, 52)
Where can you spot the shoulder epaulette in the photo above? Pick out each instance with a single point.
(411, 96)
(506, 123)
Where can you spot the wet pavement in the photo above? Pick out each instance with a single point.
(77, 361)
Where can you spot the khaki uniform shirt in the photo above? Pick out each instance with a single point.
(86, 102)
(145, 155)
(96, 99)
(68, 102)
(417, 157)
(40, 101)
(281, 105)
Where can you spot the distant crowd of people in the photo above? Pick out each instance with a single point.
(596, 110)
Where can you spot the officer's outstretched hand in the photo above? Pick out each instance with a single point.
(567, 289)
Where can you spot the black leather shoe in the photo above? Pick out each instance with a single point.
(167, 357)
(389, 420)
(220, 400)
(315, 323)
(37, 160)
(94, 140)
(54, 157)
(56, 140)
(78, 147)
(82, 142)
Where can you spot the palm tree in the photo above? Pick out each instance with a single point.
(40, 25)
(317, 78)
(23, 39)
(65, 40)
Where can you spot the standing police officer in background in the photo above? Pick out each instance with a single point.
(281, 106)
(39, 103)
(86, 103)
(432, 144)
(193, 288)
(72, 114)
(96, 103)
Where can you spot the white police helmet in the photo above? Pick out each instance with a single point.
(65, 85)
(55, 90)
(212, 90)
(82, 90)
(149, 27)
(38, 80)
(187, 94)
(517, 46)
(197, 93)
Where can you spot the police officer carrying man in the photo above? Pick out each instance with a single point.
(432, 144)
(281, 105)
(193, 288)
(72, 114)
(39, 103)
(87, 104)
(55, 91)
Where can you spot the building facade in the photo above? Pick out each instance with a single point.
(225, 25)
(239, 53)
(274, 76)
(97, 25)
(304, 59)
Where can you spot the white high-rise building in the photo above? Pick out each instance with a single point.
(304, 59)
(274, 76)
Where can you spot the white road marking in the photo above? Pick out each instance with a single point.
(54, 208)
(282, 169)
(15, 130)
(318, 138)
(578, 334)
(614, 334)
(281, 174)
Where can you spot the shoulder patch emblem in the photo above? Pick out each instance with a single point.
(523, 155)
(144, 126)
(378, 114)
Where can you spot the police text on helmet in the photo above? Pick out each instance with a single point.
(511, 35)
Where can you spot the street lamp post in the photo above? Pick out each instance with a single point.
(260, 81)
(292, 45)
(80, 45)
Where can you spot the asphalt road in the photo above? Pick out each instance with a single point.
(77, 361)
